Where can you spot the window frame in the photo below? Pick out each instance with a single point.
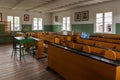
(95, 27)
(66, 23)
(38, 24)
(13, 27)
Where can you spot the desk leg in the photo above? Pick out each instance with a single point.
(20, 52)
(33, 49)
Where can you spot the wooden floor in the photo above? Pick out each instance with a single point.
(28, 69)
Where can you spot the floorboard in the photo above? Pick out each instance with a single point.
(28, 69)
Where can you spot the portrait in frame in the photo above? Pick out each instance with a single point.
(26, 17)
(0, 17)
(85, 15)
(56, 18)
(77, 16)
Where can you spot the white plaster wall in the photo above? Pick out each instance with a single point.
(113, 6)
(46, 17)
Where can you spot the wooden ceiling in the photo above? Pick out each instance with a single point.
(46, 5)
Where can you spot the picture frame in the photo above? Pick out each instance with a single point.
(26, 17)
(0, 17)
(77, 16)
(85, 15)
(56, 18)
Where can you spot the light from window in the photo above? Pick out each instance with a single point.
(15, 22)
(37, 23)
(104, 22)
(108, 21)
(66, 23)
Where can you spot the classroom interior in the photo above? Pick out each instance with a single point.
(59, 40)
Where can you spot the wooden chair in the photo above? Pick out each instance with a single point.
(71, 45)
(57, 40)
(96, 50)
(78, 46)
(86, 49)
(117, 47)
(89, 42)
(110, 54)
(105, 45)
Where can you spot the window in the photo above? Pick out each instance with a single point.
(104, 22)
(15, 22)
(66, 24)
(37, 24)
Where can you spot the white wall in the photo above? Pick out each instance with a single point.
(6, 12)
(113, 6)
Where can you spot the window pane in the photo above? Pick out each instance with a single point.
(10, 19)
(99, 20)
(108, 14)
(39, 23)
(34, 27)
(16, 23)
(99, 15)
(99, 27)
(108, 27)
(64, 27)
(34, 23)
(108, 20)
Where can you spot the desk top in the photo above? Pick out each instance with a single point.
(93, 56)
(23, 38)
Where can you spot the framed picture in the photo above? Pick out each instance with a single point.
(0, 17)
(77, 16)
(56, 18)
(85, 15)
(26, 17)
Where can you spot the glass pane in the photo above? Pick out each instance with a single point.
(108, 14)
(99, 20)
(68, 27)
(16, 21)
(40, 28)
(39, 23)
(10, 18)
(108, 20)
(34, 27)
(16, 28)
(68, 19)
(34, 24)
(99, 27)
(99, 15)
(108, 27)
(64, 27)
(34, 19)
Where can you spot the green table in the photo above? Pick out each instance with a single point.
(23, 40)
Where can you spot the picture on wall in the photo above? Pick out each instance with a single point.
(56, 18)
(26, 17)
(0, 17)
(77, 16)
(85, 15)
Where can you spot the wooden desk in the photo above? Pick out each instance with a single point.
(77, 65)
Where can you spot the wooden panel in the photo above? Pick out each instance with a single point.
(76, 67)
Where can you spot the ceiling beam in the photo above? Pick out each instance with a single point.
(41, 5)
(75, 5)
(19, 2)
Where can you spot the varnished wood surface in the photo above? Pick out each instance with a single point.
(74, 66)
(28, 69)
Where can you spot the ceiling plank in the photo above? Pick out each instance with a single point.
(19, 2)
(41, 5)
